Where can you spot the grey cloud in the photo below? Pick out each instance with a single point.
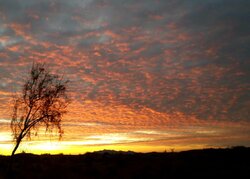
(220, 25)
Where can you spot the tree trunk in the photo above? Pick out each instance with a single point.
(18, 141)
(17, 145)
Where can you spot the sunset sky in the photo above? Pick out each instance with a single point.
(145, 75)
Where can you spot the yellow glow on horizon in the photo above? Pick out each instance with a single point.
(5, 137)
(47, 146)
(81, 141)
(66, 147)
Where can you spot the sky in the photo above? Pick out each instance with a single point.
(145, 75)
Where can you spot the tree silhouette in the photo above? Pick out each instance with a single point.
(43, 102)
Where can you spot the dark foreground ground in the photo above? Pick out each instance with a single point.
(207, 163)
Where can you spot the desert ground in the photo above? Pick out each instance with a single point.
(205, 163)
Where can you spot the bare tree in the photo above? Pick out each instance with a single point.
(43, 102)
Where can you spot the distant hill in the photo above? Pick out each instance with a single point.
(113, 152)
(206, 163)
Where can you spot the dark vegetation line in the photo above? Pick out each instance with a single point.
(206, 163)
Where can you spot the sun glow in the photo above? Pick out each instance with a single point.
(47, 146)
(5, 137)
